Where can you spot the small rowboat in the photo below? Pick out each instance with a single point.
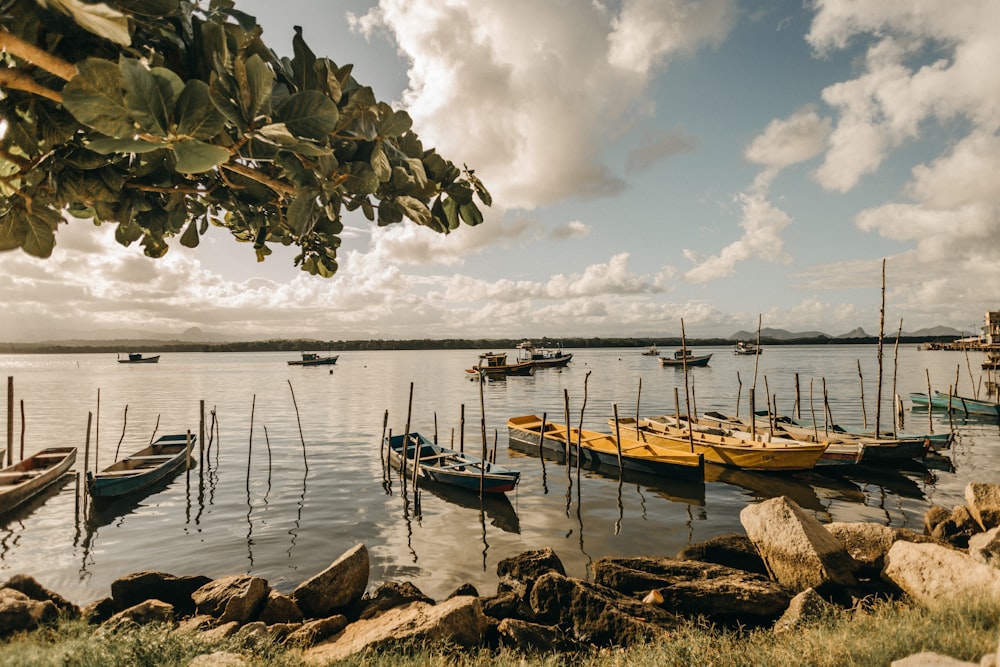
(602, 449)
(142, 469)
(29, 477)
(959, 404)
(447, 466)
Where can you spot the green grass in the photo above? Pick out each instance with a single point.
(873, 634)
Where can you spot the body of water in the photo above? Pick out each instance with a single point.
(266, 504)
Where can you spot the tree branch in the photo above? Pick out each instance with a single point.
(36, 56)
(282, 189)
(19, 80)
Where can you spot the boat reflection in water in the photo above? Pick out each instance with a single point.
(497, 506)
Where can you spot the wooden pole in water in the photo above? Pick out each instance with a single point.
(568, 434)
(253, 407)
(406, 440)
(687, 395)
(618, 436)
(22, 429)
(482, 429)
(493, 453)
(10, 419)
(86, 447)
(187, 453)
(770, 414)
(201, 435)
(461, 432)
(435, 427)
(739, 393)
(812, 409)
(381, 442)
(579, 433)
(640, 435)
(541, 441)
(677, 408)
(798, 404)
(881, 335)
(753, 412)
(930, 420)
(305, 462)
(951, 424)
(864, 414)
(828, 414)
(897, 422)
(97, 432)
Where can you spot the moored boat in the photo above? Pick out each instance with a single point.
(494, 366)
(141, 469)
(959, 404)
(684, 357)
(448, 466)
(542, 357)
(603, 449)
(743, 347)
(724, 446)
(651, 351)
(27, 478)
(313, 359)
(137, 358)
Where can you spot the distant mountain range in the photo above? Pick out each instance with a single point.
(782, 334)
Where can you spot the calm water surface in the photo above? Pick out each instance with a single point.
(264, 504)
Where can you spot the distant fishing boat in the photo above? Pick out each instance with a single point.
(684, 357)
(494, 366)
(743, 347)
(542, 357)
(137, 358)
(313, 359)
(651, 351)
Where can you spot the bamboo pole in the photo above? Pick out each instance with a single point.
(10, 419)
(435, 427)
(881, 335)
(618, 437)
(568, 434)
(687, 395)
(579, 433)
(541, 443)
(812, 409)
(864, 414)
(493, 452)
(86, 447)
(381, 442)
(22, 429)
(124, 422)
(828, 414)
(305, 462)
(253, 408)
(201, 438)
(739, 393)
(640, 435)
(482, 428)
(930, 420)
(770, 417)
(798, 404)
(406, 439)
(156, 428)
(187, 455)
(897, 422)
(97, 432)
(461, 432)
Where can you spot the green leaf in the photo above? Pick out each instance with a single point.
(97, 18)
(450, 207)
(415, 210)
(396, 124)
(109, 146)
(260, 81)
(13, 229)
(189, 239)
(470, 214)
(40, 232)
(309, 114)
(195, 156)
(303, 211)
(144, 98)
(196, 116)
(95, 98)
(380, 163)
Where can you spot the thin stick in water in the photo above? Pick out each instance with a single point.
(299, 420)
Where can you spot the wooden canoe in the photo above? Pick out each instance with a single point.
(448, 466)
(141, 469)
(725, 446)
(602, 449)
(29, 477)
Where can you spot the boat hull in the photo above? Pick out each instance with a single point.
(141, 360)
(26, 479)
(701, 360)
(142, 469)
(446, 466)
(322, 361)
(602, 449)
(959, 404)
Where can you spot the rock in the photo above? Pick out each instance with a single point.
(798, 551)
(280, 631)
(693, 588)
(234, 598)
(19, 612)
(734, 550)
(985, 547)
(596, 614)
(218, 659)
(220, 632)
(458, 620)
(957, 528)
(137, 587)
(526, 636)
(530, 565)
(934, 516)
(34, 590)
(389, 595)
(983, 501)
(506, 605)
(150, 611)
(335, 588)
(804, 607)
(867, 543)
(198, 623)
(98, 611)
(931, 659)
(465, 589)
(252, 634)
(279, 608)
(311, 633)
(933, 574)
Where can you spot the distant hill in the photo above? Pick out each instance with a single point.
(937, 332)
(777, 334)
(855, 333)
(859, 332)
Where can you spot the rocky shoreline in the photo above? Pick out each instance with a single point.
(786, 568)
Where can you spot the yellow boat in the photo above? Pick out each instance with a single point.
(724, 446)
(602, 449)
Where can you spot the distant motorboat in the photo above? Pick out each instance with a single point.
(743, 347)
(137, 358)
(542, 357)
(313, 359)
(652, 351)
(684, 357)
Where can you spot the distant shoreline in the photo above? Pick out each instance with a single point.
(297, 345)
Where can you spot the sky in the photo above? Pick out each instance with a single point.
(716, 162)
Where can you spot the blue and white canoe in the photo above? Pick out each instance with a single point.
(141, 469)
(447, 466)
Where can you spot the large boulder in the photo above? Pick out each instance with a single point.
(798, 551)
(985, 547)
(34, 590)
(149, 611)
(526, 636)
(19, 612)
(867, 543)
(983, 501)
(693, 588)
(279, 608)
(933, 517)
(733, 550)
(804, 607)
(931, 659)
(594, 613)
(530, 565)
(458, 620)
(313, 632)
(957, 528)
(389, 595)
(137, 587)
(236, 598)
(337, 587)
(933, 574)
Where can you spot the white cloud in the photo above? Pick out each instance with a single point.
(572, 229)
(785, 142)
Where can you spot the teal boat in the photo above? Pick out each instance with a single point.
(959, 404)
(142, 469)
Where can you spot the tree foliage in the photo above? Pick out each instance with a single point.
(165, 116)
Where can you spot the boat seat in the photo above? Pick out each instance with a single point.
(122, 473)
(460, 465)
(50, 455)
(151, 457)
(21, 473)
